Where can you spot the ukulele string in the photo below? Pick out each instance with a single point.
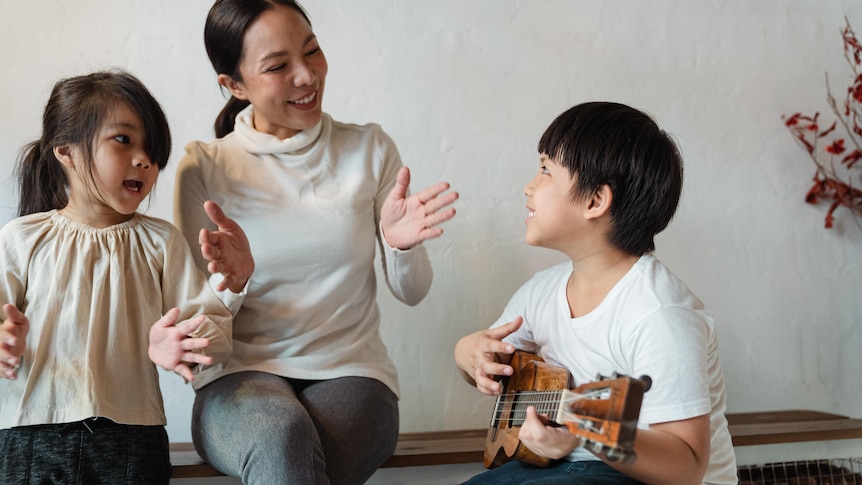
(545, 402)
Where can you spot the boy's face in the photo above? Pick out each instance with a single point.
(551, 219)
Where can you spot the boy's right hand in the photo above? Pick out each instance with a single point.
(476, 355)
(13, 338)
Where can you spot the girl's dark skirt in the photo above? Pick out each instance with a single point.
(93, 451)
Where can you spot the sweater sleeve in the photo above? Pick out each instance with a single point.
(190, 193)
(189, 215)
(185, 287)
(408, 272)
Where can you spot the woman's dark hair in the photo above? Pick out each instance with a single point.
(224, 33)
(612, 144)
(73, 116)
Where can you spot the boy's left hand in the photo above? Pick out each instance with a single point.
(172, 346)
(407, 221)
(545, 440)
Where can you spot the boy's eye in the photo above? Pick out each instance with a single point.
(124, 139)
(544, 170)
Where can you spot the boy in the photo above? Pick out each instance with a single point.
(609, 181)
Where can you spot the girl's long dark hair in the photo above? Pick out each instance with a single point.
(73, 116)
(224, 33)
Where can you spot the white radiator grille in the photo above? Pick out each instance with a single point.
(841, 471)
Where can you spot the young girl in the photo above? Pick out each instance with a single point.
(84, 278)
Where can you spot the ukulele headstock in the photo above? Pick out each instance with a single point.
(604, 414)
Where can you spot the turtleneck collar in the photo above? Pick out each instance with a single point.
(264, 143)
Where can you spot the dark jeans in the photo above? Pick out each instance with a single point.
(559, 472)
(89, 452)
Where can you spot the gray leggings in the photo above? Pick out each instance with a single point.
(268, 429)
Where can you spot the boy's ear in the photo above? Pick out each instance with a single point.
(233, 86)
(65, 155)
(599, 203)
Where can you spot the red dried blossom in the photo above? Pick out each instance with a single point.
(837, 147)
(834, 183)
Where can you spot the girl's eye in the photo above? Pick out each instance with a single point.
(544, 170)
(124, 139)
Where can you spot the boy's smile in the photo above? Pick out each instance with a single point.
(550, 221)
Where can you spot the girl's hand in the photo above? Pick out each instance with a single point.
(227, 250)
(171, 346)
(478, 356)
(545, 440)
(407, 221)
(13, 339)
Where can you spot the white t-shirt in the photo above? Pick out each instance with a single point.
(651, 324)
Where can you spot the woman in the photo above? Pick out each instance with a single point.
(309, 395)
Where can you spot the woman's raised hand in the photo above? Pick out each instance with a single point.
(226, 250)
(407, 221)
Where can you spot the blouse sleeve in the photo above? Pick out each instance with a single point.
(408, 272)
(185, 287)
(190, 193)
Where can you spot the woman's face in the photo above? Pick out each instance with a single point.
(283, 71)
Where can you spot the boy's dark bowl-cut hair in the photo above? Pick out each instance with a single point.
(610, 143)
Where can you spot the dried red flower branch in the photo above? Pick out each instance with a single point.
(834, 181)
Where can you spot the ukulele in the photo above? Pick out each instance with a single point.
(604, 413)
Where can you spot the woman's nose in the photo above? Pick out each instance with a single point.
(303, 75)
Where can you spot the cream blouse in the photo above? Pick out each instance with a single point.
(91, 296)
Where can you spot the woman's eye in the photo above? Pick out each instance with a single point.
(276, 68)
(312, 52)
(124, 139)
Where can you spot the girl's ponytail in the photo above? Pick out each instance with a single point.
(41, 180)
(225, 120)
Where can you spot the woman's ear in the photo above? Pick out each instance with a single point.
(65, 155)
(599, 203)
(233, 86)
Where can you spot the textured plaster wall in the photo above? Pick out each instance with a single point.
(466, 87)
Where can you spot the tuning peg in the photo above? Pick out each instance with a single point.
(614, 454)
(647, 380)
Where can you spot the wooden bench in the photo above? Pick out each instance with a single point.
(413, 449)
(466, 446)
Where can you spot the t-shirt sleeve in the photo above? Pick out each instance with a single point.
(671, 346)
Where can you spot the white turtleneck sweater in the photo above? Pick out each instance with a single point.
(310, 206)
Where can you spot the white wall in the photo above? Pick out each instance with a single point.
(466, 87)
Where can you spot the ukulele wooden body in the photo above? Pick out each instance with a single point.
(603, 414)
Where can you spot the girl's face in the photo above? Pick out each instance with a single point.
(121, 170)
(551, 215)
(283, 71)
